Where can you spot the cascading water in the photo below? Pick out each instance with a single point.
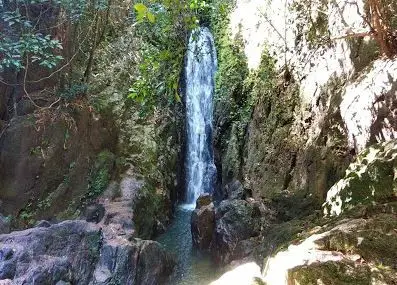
(200, 71)
(195, 268)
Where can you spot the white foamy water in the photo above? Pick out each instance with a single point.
(201, 63)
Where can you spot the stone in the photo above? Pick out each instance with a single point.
(370, 179)
(4, 225)
(345, 251)
(235, 190)
(94, 213)
(63, 283)
(154, 264)
(25, 107)
(43, 224)
(49, 161)
(244, 274)
(235, 221)
(75, 252)
(203, 200)
(202, 226)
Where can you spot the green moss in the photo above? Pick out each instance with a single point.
(99, 178)
(331, 273)
(100, 174)
(370, 179)
(150, 209)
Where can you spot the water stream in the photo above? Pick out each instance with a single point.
(195, 268)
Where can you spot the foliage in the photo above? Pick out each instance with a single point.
(164, 35)
(24, 40)
(232, 84)
(75, 91)
(100, 174)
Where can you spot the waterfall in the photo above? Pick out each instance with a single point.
(200, 71)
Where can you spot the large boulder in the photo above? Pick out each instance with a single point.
(75, 252)
(203, 200)
(235, 190)
(370, 179)
(237, 222)
(345, 250)
(142, 262)
(203, 223)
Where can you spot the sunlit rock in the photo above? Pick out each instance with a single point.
(371, 178)
(346, 254)
(368, 105)
(246, 274)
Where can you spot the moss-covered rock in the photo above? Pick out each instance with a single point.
(152, 211)
(330, 273)
(46, 159)
(370, 179)
(341, 250)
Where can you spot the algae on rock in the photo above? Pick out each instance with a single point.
(370, 179)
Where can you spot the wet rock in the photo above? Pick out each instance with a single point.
(154, 264)
(204, 200)
(94, 213)
(202, 225)
(235, 190)
(235, 221)
(43, 224)
(4, 225)
(63, 283)
(75, 252)
(140, 262)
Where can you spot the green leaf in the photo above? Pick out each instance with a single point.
(141, 10)
(151, 17)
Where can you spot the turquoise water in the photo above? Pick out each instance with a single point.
(193, 267)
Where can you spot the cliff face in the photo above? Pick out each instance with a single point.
(331, 95)
(306, 116)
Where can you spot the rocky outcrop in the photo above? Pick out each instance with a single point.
(235, 190)
(370, 179)
(50, 163)
(244, 274)
(203, 200)
(298, 131)
(237, 224)
(76, 252)
(348, 250)
(203, 222)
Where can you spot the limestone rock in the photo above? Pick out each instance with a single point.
(371, 178)
(245, 274)
(235, 190)
(236, 221)
(75, 252)
(204, 200)
(202, 226)
(344, 252)
(94, 213)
